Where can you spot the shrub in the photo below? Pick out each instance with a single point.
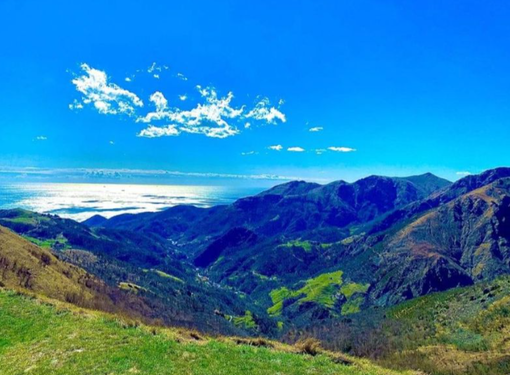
(309, 346)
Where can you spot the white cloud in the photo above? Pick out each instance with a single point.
(156, 76)
(276, 147)
(463, 173)
(296, 149)
(183, 97)
(105, 97)
(316, 129)
(156, 132)
(341, 149)
(112, 142)
(182, 76)
(41, 138)
(263, 111)
(127, 79)
(247, 125)
(320, 151)
(249, 153)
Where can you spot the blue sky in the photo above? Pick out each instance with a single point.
(391, 87)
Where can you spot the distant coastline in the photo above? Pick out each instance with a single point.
(82, 201)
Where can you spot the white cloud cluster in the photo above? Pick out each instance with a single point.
(316, 129)
(215, 117)
(341, 149)
(41, 138)
(105, 97)
(212, 115)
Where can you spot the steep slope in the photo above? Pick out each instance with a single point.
(55, 232)
(28, 267)
(42, 339)
(442, 196)
(463, 331)
(460, 242)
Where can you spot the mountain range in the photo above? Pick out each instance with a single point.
(280, 263)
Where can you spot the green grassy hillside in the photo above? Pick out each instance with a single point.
(48, 337)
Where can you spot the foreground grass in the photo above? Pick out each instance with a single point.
(43, 338)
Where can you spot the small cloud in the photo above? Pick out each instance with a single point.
(41, 138)
(249, 153)
(182, 76)
(296, 149)
(156, 68)
(75, 105)
(341, 149)
(276, 147)
(264, 112)
(112, 142)
(183, 97)
(320, 151)
(316, 129)
(156, 76)
(247, 125)
(127, 79)
(463, 173)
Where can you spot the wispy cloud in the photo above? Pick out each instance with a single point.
(276, 147)
(183, 97)
(320, 151)
(182, 76)
(41, 138)
(463, 173)
(99, 173)
(105, 97)
(341, 149)
(316, 129)
(296, 149)
(154, 68)
(249, 153)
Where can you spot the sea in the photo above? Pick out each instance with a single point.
(82, 201)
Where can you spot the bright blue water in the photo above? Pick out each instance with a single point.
(81, 201)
